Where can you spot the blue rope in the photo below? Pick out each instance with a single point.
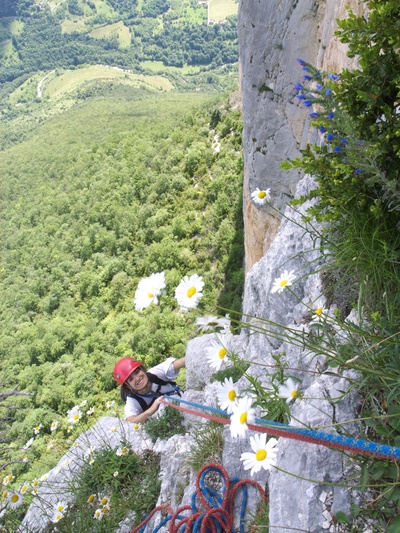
(356, 445)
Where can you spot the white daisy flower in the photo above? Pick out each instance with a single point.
(69, 429)
(35, 484)
(37, 429)
(92, 498)
(90, 411)
(105, 501)
(45, 477)
(319, 312)
(28, 443)
(54, 425)
(25, 459)
(216, 354)
(227, 395)
(83, 403)
(8, 479)
(148, 290)
(264, 454)
(261, 196)
(24, 488)
(188, 292)
(284, 280)
(51, 444)
(14, 499)
(243, 414)
(136, 427)
(116, 473)
(113, 429)
(122, 451)
(212, 322)
(110, 404)
(106, 509)
(74, 415)
(56, 517)
(61, 507)
(98, 514)
(289, 390)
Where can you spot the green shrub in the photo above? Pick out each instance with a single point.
(167, 424)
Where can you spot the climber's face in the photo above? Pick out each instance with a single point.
(139, 381)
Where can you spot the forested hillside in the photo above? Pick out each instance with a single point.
(47, 35)
(92, 201)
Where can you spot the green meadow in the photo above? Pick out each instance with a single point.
(221, 9)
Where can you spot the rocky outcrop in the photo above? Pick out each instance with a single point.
(271, 36)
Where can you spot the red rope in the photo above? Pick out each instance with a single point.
(210, 516)
(275, 432)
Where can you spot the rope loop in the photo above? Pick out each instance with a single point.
(212, 511)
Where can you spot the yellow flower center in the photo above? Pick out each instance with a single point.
(60, 508)
(150, 295)
(222, 353)
(243, 418)
(231, 395)
(318, 311)
(191, 292)
(91, 498)
(104, 501)
(136, 426)
(294, 393)
(76, 417)
(283, 283)
(106, 510)
(262, 194)
(261, 455)
(14, 498)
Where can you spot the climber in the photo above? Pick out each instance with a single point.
(142, 391)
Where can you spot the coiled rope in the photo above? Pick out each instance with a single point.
(210, 511)
(278, 429)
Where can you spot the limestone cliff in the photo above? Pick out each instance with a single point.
(272, 34)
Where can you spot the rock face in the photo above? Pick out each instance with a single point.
(271, 36)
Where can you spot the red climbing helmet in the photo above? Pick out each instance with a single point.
(124, 368)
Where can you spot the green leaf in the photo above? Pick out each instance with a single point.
(394, 526)
(341, 518)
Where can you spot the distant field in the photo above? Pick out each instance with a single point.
(119, 28)
(68, 26)
(220, 9)
(72, 79)
(7, 51)
(158, 66)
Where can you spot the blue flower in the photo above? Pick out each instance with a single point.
(359, 171)
(322, 129)
(307, 77)
(338, 149)
(330, 137)
(334, 77)
(301, 61)
(319, 86)
(307, 103)
(328, 92)
(344, 141)
(331, 115)
(314, 115)
(301, 96)
(299, 86)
